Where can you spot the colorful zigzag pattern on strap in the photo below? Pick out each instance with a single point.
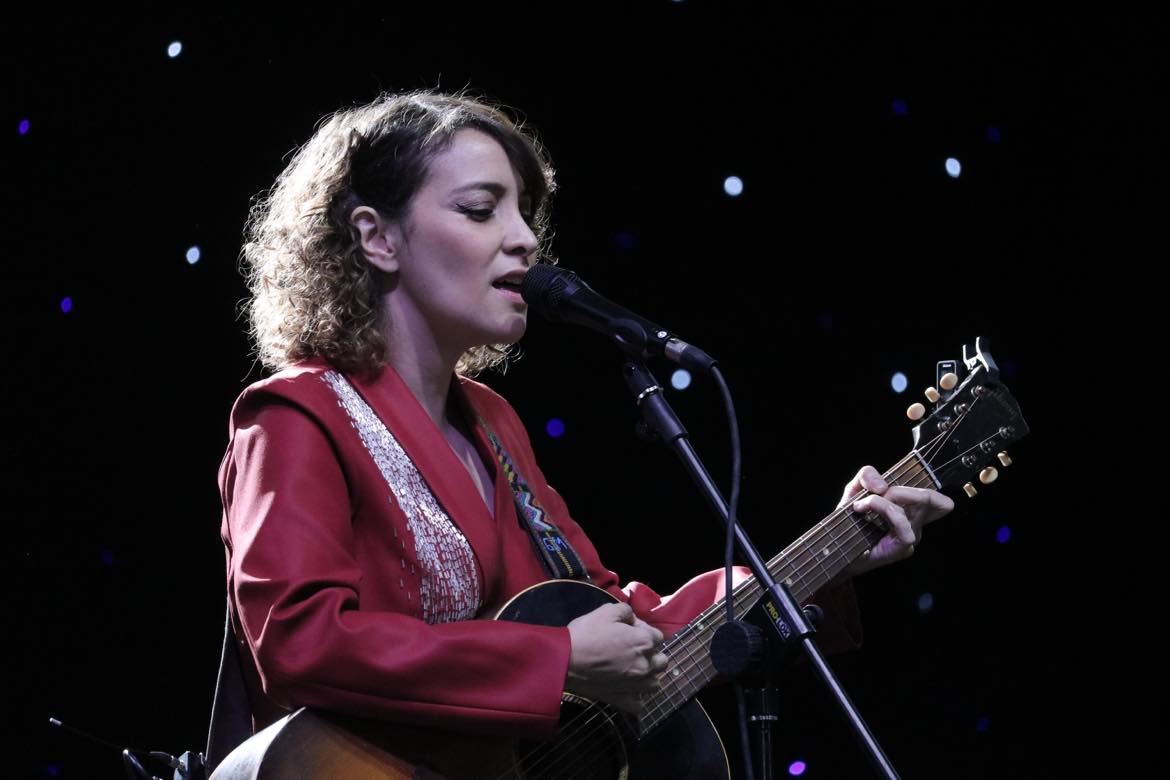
(559, 558)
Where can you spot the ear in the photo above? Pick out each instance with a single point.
(380, 238)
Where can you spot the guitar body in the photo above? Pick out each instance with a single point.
(594, 742)
(685, 746)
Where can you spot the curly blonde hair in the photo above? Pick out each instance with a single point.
(313, 291)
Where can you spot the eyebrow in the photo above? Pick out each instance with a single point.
(495, 188)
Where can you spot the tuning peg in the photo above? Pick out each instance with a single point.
(932, 395)
(970, 490)
(988, 475)
(916, 411)
(948, 381)
(1005, 459)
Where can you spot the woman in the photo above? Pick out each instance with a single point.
(367, 517)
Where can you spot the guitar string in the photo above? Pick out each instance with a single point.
(576, 739)
(856, 536)
(907, 465)
(827, 529)
(569, 748)
(828, 525)
(669, 692)
(855, 542)
(696, 633)
(577, 732)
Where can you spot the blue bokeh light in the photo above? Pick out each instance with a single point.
(925, 603)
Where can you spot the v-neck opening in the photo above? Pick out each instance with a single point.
(482, 448)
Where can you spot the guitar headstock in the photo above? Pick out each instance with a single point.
(964, 440)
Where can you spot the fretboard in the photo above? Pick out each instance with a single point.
(804, 567)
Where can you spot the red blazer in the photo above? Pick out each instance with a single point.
(358, 548)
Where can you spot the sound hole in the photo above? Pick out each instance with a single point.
(590, 745)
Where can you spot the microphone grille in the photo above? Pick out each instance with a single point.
(543, 287)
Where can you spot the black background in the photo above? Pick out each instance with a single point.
(850, 255)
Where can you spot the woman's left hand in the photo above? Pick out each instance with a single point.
(905, 511)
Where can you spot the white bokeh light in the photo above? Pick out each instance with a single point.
(733, 186)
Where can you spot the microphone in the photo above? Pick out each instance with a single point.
(558, 294)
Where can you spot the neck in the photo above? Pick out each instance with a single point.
(425, 367)
(429, 383)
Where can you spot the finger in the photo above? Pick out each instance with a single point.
(924, 505)
(647, 640)
(656, 636)
(641, 675)
(867, 478)
(871, 480)
(658, 663)
(890, 549)
(622, 613)
(640, 623)
(897, 523)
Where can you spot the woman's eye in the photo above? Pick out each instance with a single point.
(478, 214)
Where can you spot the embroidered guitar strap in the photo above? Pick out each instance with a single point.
(558, 556)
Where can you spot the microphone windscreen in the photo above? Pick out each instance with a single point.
(543, 286)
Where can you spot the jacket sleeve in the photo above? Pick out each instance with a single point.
(295, 586)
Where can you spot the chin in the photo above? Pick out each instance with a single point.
(515, 325)
(514, 333)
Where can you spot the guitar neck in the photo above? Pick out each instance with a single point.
(804, 567)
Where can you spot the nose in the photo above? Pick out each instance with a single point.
(521, 240)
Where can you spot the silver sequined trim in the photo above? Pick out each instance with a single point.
(448, 580)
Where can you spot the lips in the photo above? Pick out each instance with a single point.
(509, 281)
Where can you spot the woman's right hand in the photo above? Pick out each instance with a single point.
(616, 657)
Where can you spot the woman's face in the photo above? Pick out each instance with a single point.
(462, 249)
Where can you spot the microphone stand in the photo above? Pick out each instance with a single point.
(790, 623)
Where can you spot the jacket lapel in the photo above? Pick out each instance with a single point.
(443, 472)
